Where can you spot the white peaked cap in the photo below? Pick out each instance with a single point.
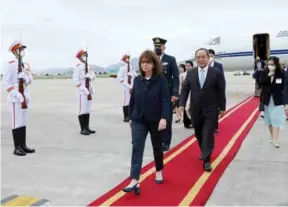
(124, 56)
(15, 45)
(79, 53)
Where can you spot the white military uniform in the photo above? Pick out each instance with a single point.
(82, 93)
(122, 76)
(10, 82)
(79, 77)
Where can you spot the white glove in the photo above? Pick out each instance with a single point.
(21, 75)
(128, 85)
(87, 75)
(20, 97)
(83, 90)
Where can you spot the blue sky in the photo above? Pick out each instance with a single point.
(54, 30)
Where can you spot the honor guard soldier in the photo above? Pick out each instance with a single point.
(15, 81)
(126, 76)
(82, 76)
(171, 73)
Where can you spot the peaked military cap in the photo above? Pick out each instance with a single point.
(159, 41)
(16, 45)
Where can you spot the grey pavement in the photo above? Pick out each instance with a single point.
(258, 176)
(70, 169)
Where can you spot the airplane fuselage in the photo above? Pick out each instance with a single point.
(237, 52)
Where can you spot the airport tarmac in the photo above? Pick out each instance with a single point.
(71, 169)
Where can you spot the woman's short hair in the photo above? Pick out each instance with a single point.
(183, 66)
(276, 62)
(150, 56)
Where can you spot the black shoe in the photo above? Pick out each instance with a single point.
(207, 167)
(19, 152)
(27, 149)
(189, 126)
(135, 188)
(84, 132)
(165, 147)
(159, 181)
(126, 119)
(91, 131)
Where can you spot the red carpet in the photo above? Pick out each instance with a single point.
(185, 182)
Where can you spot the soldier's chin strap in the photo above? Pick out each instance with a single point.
(82, 57)
(16, 54)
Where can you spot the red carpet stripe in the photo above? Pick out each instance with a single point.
(183, 170)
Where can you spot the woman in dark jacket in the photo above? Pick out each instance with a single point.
(273, 98)
(149, 111)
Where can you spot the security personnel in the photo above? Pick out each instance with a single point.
(126, 76)
(84, 92)
(19, 101)
(218, 66)
(171, 72)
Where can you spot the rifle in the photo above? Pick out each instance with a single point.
(21, 82)
(87, 81)
(129, 76)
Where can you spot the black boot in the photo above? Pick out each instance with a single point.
(82, 124)
(87, 124)
(17, 142)
(23, 141)
(125, 111)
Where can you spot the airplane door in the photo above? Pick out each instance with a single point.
(261, 46)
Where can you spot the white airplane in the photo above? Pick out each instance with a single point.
(238, 52)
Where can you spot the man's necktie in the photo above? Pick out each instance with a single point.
(202, 77)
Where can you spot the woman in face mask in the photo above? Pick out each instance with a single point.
(273, 86)
(182, 70)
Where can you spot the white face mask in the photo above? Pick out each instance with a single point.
(271, 67)
(22, 53)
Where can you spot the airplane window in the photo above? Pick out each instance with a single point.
(282, 34)
(215, 41)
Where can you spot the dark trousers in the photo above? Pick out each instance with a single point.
(139, 134)
(205, 125)
(167, 133)
(217, 120)
(186, 121)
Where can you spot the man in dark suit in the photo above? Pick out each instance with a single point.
(219, 66)
(207, 87)
(171, 73)
(214, 63)
(259, 66)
